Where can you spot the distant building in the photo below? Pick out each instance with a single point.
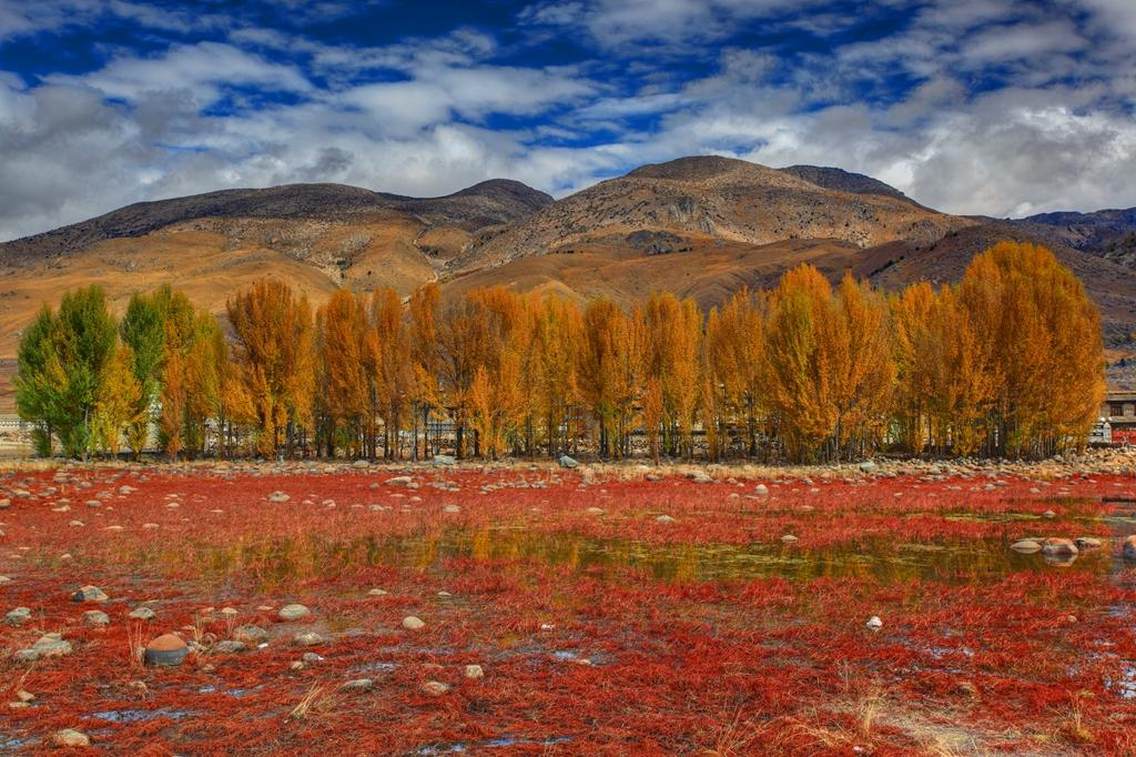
(1119, 410)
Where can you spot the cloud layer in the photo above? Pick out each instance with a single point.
(999, 107)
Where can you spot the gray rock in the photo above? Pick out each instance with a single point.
(412, 623)
(96, 618)
(48, 645)
(664, 519)
(474, 671)
(229, 646)
(789, 539)
(1087, 542)
(90, 594)
(69, 737)
(251, 635)
(142, 613)
(359, 684)
(869, 467)
(278, 497)
(307, 639)
(444, 460)
(452, 509)
(1059, 547)
(761, 490)
(18, 616)
(568, 462)
(874, 623)
(1026, 546)
(400, 481)
(293, 612)
(311, 658)
(1129, 549)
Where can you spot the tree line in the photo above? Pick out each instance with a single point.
(1008, 362)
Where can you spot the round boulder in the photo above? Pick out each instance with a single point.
(167, 650)
(293, 612)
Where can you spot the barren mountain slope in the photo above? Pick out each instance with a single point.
(730, 200)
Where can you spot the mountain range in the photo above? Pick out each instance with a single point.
(698, 226)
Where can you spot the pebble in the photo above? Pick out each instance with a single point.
(435, 688)
(311, 658)
(1026, 546)
(412, 623)
(665, 519)
(874, 623)
(474, 671)
(789, 539)
(18, 616)
(69, 737)
(278, 497)
(359, 684)
(293, 612)
(761, 490)
(229, 646)
(377, 593)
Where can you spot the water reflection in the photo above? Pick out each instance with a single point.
(877, 559)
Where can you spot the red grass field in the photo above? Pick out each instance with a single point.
(601, 625)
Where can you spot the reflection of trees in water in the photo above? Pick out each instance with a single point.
(272, 562)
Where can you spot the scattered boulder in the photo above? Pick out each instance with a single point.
(700, 477)
(869, 467)
(1087, 542)
(406, 481)
(435, 688)
(307, 639)
(278, 497)
(90, 594)
(18, 616)
(452, 509)
(444, 460)
(1055, 547)
(664, 519)
(377, 593)
(1026, 546)
(568, 462)
(96, 618)
(311, 658)
(412, 623)
(789, 539)
(1049, 515)
(142, 613)
(230, 646)
(874, 623)
(166, 650)
(1129, 549)
(48, 645)
(474, 672)
(761, 490)
(251, 635)
(293, 612)
(69, 737)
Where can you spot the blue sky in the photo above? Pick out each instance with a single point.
(1001, 107)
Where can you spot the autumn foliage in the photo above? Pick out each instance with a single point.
(1008, 362)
